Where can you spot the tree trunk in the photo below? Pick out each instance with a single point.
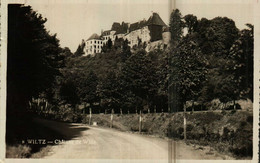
(148, 110)
(121, 111)
(105, 111)
(154, 109)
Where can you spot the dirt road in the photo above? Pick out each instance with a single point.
(93, 142)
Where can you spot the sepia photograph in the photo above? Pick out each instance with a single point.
(164, 80)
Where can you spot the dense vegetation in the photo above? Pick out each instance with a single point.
(213, 60)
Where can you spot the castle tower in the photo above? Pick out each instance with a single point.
(155, 25)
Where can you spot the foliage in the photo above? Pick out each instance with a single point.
(34, 56)
(191, 22)
(139, 77)
(88, 88)
(176, 26)
(187, 71)
(80, 49)
(241, 54)
(68, 92)
(208, 63)
(110, 92)
(216, 36)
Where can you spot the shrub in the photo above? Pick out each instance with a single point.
(249, 119)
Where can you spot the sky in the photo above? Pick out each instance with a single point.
(74, 20)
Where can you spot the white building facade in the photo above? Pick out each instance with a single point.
(93, 45)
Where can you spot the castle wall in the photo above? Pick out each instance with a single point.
(143, 34)
(166, 37)
(155, 45)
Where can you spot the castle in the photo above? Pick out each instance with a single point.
(154, 32)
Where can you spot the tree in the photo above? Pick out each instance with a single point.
(68, 92)
(139, 78)
(88, 88)
(109, 92)
(191, 22)
(241, 54)
(66, 52)
(126, 53)
(216, 36)
(109, 43)
(162, 71)
(34, 57)
(176, 26)
(186, 73)
(107, 46)
(80, 49)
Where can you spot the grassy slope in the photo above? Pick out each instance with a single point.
(228, 132)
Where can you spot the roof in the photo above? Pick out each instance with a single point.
(119, 28)
(155, 19)
(105, 33)
(94, 36)
(137, 25)
(122, 28)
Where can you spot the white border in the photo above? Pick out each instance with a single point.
(3, 60)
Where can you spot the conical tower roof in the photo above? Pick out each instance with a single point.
(155, 19)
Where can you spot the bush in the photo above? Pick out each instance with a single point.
(233, 111)
(249, 119)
